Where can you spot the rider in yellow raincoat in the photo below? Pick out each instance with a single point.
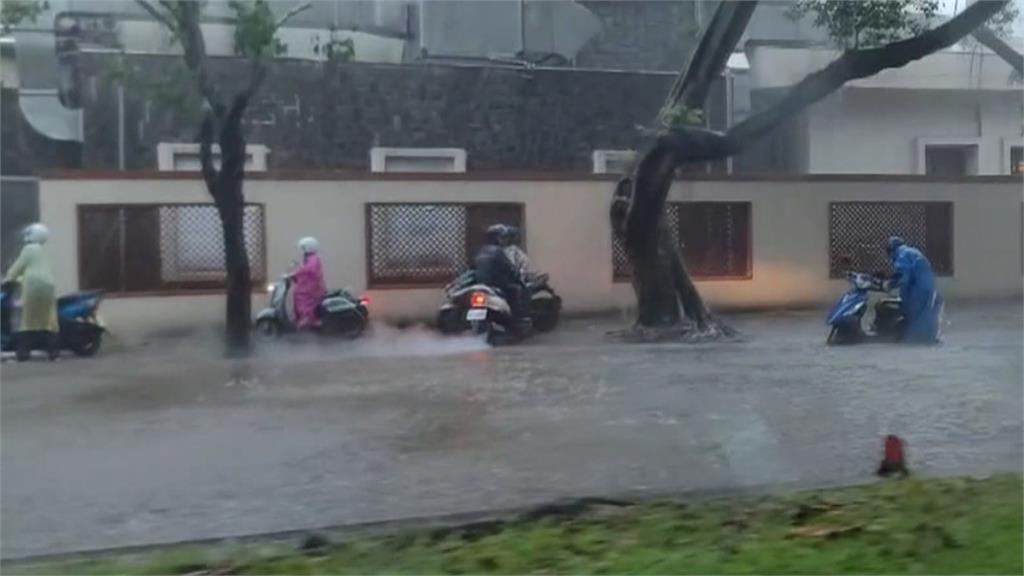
(39, 300)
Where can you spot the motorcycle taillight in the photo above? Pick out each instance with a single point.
(478, 299)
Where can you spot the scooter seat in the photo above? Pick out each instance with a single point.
(76, 296)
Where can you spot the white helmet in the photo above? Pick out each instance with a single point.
(309, 245)
(36, 234)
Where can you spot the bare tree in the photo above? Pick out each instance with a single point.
(256, 40)
(664, 290)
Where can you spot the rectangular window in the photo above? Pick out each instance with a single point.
(1016, 160)
(858, 232)
(429, 244)
(612, 161)
(950, 160)
(184, 157)
(417, 160)
(161, 247)
(713, 237)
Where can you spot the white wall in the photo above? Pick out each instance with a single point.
(877, 131)
(873, 125)
(568, 236)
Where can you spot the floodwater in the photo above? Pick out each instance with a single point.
(168, 442)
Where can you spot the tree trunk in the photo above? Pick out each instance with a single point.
(689, 297)
(236, 262)
(657, 304)
(231, 203)
(225, 186)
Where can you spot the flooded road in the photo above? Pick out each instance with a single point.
(170, 442)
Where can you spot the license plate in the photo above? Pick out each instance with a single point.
(476, 314)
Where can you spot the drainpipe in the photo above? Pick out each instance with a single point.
(120, 127)
(730, 105)
(522, 27)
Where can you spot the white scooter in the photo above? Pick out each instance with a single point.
(341, 314)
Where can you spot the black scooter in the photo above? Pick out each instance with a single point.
(471, 305)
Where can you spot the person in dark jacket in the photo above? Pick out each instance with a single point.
(494, 269)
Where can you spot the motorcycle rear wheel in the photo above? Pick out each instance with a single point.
(449, 321)
(545, 314)
(349, 327)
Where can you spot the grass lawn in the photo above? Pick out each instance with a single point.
(929, 526)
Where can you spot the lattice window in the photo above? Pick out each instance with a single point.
(191, 243)
(713, 237)
(621, 268)
(168, 247)
(858, 232)
(428, 244)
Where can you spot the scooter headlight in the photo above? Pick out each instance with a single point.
(270, 288)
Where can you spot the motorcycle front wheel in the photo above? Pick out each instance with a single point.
(267, 329)
(845, 334)
(82, 338)
(87, 346)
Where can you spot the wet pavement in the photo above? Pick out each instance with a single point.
(168, 442)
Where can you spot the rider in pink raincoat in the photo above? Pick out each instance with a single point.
(309, 288)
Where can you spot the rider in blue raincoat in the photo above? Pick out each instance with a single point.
(921, 302)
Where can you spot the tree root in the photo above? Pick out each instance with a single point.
(686, 332)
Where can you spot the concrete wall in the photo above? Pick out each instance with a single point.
(568, 236)
(327, 117)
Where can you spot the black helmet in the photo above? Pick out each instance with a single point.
(495, 234)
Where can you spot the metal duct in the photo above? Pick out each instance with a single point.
(40, 78)
(503, 28)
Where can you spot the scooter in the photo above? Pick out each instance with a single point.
(80, 329)
(846, 318)
(341, 314)
(470, 305)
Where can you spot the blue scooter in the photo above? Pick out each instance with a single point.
(846, 318)
(80, 329)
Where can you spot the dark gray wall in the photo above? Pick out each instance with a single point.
(640, 35)
(19, 207)
(326, 116)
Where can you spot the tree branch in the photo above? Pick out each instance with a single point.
(711, 55)
(257, 75)
(996, 44)
(186, 28)
(291, 14)
(157, 15)
(855, 64)
(654, 172)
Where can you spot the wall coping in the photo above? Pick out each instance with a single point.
(515, 176)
